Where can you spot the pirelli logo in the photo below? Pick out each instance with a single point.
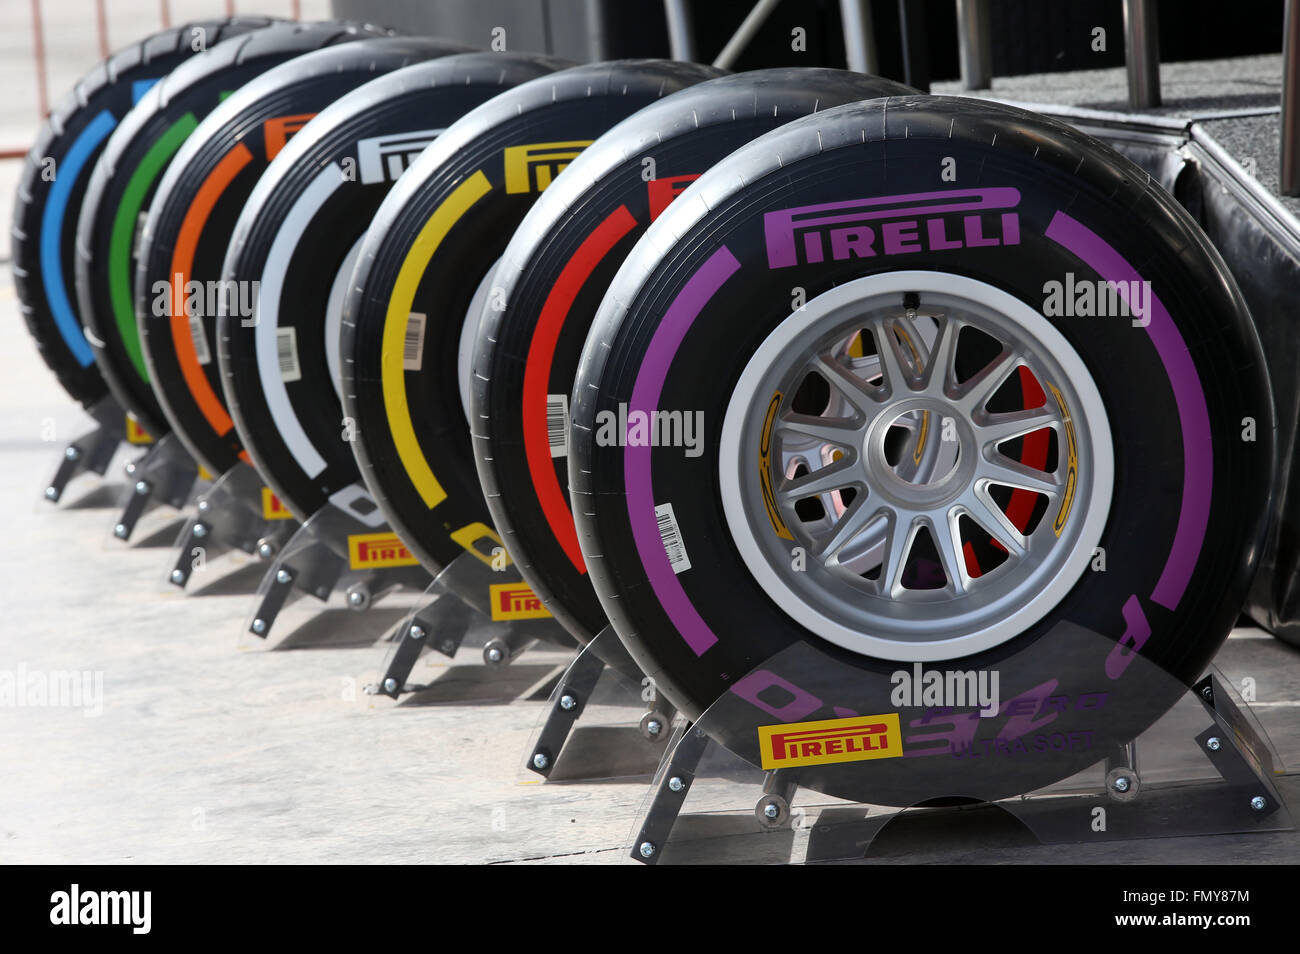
(278, 130)
(273, 507)
(370, 551)
(515, 601)
(385, 158)
(830, 740)
(531, 168)
(135, 434)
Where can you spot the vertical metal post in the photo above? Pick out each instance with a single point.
(1290, 165)
(38, 54)
(681, 36)
(1142, 53)
(975, 43)
(597, 31)
(101, 29)
(859, 36)
(750, 26)
(165, 12)
(295, 9)
(916, 55)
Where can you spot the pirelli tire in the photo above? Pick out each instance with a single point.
(126, 177)
(53, 184)
(298, 237)
(426, 264)
(551, 280)
(800, 297)
(183, 245)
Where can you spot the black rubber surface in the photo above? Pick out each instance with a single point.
(310, 210)
(126, 177)
(558, 265)
(53, 184)
(181, 250)
(474, 184)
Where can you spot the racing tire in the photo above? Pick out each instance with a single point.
(304, 220)
(125, 180)
(181, 250)
(552, 278)
(824, 298)
(53, 184)
(426, 265)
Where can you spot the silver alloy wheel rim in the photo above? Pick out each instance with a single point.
(830, 595)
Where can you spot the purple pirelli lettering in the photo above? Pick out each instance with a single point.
(917, 222)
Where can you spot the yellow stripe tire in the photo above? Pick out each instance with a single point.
(426, 253)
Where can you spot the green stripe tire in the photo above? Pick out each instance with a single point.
(126, 177)
(181, 249)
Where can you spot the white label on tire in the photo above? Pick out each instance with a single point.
(286, 354)
(671, 536)
(413, 342)
(201, 351)
(557, 424)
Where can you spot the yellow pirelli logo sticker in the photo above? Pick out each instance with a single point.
(531, 168)
(273, 507)
(830, 740)
(515, 601)
(371, 551)
(135, 434)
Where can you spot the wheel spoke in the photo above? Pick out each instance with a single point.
(998, 428)
(986, 514)
(838, 474)
(863, 397)
(1000, 469)
(981, 386)
(943, 355)
(892, 360)
(841, 433)
(897, 549)
(947, 540)
(856, 518)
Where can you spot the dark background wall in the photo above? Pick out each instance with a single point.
(1029, 36)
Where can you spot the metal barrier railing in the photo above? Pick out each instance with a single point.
(974, 44)
(40, 65)
(1289, 167)
(1142, 59)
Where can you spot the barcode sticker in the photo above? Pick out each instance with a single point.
(201, 352)
(413, 343)
(557, 424)
(286, 353)
(672, 538)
